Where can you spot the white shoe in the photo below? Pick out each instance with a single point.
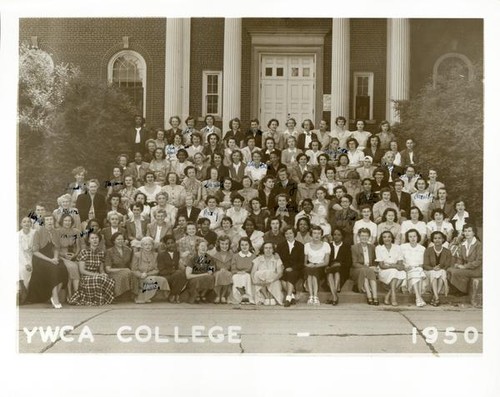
(267, 302)
(223, 300)
(315, 300)
(272, 302)
(310, 301)
(55, 305)
(420, 303)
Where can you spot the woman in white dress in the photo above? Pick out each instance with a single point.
(266, 273)
(413, 260)
(422, 198)
(241, 266)
(237, 213)
(361, 135)
(25, 254)
(365, 222)
(150, 188)
(415, 222)
(355, 154)
(316, 258)
(437, 259)
(391, 269)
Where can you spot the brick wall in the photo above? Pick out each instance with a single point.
(207, 53)
(369, 54)
(91, 42)
(431, 38)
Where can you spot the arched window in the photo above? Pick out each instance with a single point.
(452, 66)
(127, 70)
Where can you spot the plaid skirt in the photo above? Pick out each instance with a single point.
(95, 290)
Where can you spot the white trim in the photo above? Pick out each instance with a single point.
(206, 73)
(370, 76)
(144, 73)
(462, 57)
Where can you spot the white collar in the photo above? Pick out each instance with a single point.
(474, 240)
(241, 254)
(466, 215)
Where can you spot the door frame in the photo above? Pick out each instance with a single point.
(290, 44)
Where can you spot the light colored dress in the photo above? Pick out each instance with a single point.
(222, 262)
(391, 256)
(146, 288)
(241, 266)
(360, 224)
(413, 259)
(25, 255)
(420, 226)
(266, 272)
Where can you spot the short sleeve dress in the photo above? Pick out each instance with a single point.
(97, 289)
(316, 256)
(391, 256)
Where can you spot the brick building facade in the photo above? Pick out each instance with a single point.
(284, 67)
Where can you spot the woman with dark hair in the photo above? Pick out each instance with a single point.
(175, 122)
(247, 192)
(258, 215)
(181, 163)
(235, 132)
(221, 257)
(189, 131)
(386, 136)
(374, 150)
(415, 222)
(337, 270)
(96, 287)
(422, 198)
(187, 244)
(266, 273)
(176, 192)
(300, 167)
(469, 263)
(159, 163)
(363, 270)
(344, 219)
(390, 224)
(321, 168)
(272, 132)
(355, 155)
(210, 129)
(269, 147)
(213, 146)
(439, 224)
(341, 132)
(195, 147)
(48, 271)
(150, 188)
(173, 148)
(307, 187)
(212, 212)
(256, 236)
(437, 259)
(303, 230)
(461, 217)
(316, 257)
(391, 269)
(225, 194)
(360, 135)
(343, 168)
(160, 140)
(413, 260)
(128, 192)
(274, 235)
(291, 253)
(64, 203)
(69, 241)
(170, 268)
(199, 273)
(241, 266)
(365, 223)
(236, 212)
(117, 264)
(229, 231)
(441, 202)
(150, 150)
(114, 206)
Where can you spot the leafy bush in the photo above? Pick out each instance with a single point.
(446, 122)
(64, 121)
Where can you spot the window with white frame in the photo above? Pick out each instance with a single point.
(212, 93)
(127, 71)
(363, 95)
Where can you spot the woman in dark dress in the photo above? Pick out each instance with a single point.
(337, 271)
(117, 264)
(49, 273)
(291, 253)
(169, 267)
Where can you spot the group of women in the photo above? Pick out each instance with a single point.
(252, 218)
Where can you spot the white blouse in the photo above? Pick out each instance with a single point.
(413, 256)
(317, 255)
(391, 256)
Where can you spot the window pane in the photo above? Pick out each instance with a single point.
(213, 104)
(295, 72)
(279, 72)
(212, 84)
(306, 72)
(269, 71)
(127, 71)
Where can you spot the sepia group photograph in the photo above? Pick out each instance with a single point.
(251, 184)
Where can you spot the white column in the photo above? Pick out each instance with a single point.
(398, 64)
(340, 68)
(186, 64)
(173, 68)
(231, 83)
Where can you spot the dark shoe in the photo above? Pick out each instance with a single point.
(369, 301)
(335, 302)
(286, 303)
(293, 301)
(376, 302)
(329, 301)
(355, 288)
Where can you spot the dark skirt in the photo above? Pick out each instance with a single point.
(292, 276)
(45, 276)
(318, 272)
(460, 278)
(200, 283)
(177, 281)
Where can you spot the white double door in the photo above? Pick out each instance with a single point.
(287, 88)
